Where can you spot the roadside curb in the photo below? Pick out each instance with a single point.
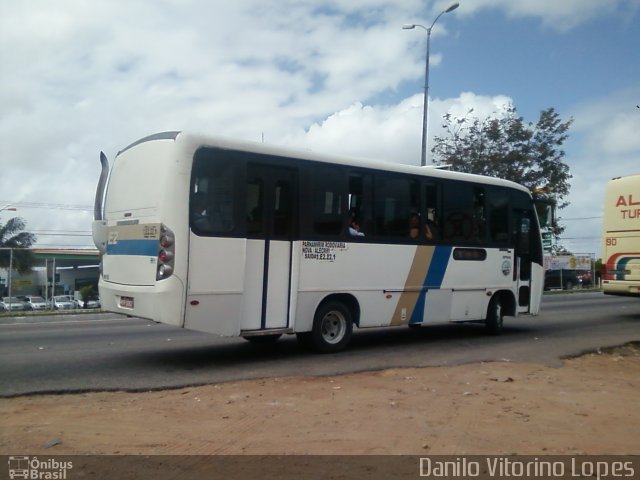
(60, 317)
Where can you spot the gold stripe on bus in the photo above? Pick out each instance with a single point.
(413, 285)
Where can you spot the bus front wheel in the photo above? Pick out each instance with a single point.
(332, 328)
(495, 315)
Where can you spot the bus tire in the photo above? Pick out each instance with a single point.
(495, 316)
(264, 339)
(332, 328)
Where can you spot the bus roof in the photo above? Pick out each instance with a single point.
(193, 141)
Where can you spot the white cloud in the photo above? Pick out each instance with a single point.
(560, 15)
(389, 132)
(611, 124)
(604, 143)
(84, 76)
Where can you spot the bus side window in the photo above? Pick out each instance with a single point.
(212, 202)
(498, 206)
(283, 208)
(328, 215)
(479, 215)
(465, 213)
(254, 207)
(433, 212)
(221, 196)
(360, 202)
(396, 201)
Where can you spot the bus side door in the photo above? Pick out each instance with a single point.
(522, 272)
(271, 214)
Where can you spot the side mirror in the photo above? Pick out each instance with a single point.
(546, 210)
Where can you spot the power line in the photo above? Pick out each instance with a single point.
(62, 246)
(578, 218)
(51, 230)
(53, 206)
(40, 234)
(580, 238)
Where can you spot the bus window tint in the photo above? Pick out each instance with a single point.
(212, 194)
(463, 213)
(433, 212)
(396, 200)
(254, 207)
(327, 210)
(360, 202)
(498, 205)
(479, 216)
(283, 208)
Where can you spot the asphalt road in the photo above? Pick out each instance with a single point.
(108, 352)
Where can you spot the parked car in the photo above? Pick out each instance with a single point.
(11, 304)
(92, 303)
(553, 279)
(35, 303)
(63, 302)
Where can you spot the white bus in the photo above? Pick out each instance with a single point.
(243, 239)
(621, 237)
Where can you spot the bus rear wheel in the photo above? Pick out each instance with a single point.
(495, 316)
(332, 328)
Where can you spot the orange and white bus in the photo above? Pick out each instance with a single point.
(621, 237)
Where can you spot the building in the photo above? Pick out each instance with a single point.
(73, 269)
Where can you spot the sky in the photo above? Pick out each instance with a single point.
(332, 76)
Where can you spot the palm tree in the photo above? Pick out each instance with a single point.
(13, 237)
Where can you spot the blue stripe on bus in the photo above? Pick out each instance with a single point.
(143, 247)
(435, 276)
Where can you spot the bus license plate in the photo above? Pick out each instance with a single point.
(126, 302)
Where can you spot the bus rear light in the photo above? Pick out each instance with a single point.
(166, 253)
(165, 256)
(164, 271)
(167, 240)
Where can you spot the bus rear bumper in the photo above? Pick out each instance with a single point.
(632, 290)
(162, 303)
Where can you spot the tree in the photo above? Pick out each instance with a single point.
(13, 236)
(88, 292)
(507, 147)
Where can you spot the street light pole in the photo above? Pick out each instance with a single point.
(425, 109)
(10, 276)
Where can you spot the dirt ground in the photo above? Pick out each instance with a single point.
(587, 406)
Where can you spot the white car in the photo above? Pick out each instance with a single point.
(11, 304)
(35, 303)
(94, 303)
(63, 302)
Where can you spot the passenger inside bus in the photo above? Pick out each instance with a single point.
(414, 226)
(431, 230)
(354, 225)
